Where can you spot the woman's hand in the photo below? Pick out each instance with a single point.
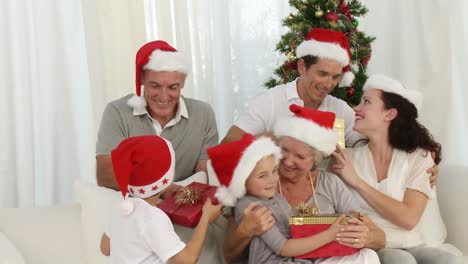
(343, 167)
(256, 220)
(354, 234)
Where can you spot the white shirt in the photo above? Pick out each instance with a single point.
(181, 112)
(146, 235)
(272, 104)
(406, 171)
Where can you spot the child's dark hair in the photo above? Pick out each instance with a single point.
(405, 132)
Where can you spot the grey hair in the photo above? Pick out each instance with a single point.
(317, 154)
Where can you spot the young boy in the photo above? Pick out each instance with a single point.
(140, 232)
(247, 171)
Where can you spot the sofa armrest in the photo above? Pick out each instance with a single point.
(44, 235)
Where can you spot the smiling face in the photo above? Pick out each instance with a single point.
(371, 115)
(297, 160)
(317, 81)
(263, 180)
(162, 92)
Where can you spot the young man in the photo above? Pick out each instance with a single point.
(158, 109)
(324, 58)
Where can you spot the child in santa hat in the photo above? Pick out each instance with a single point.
(140, 232)
(247, 172)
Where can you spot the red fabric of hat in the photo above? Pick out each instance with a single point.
(233, 162)
(143, 165)
(226, 157)
(310, 126)
(322, 118)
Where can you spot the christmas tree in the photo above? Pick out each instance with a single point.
(339, 15)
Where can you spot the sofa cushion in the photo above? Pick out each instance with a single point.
(96, 206)
(44, 234)
(9, 252)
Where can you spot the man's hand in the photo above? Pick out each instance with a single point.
(255, 220)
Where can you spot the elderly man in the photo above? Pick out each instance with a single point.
(324, 58)
(158, 109)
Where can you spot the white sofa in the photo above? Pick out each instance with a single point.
(71, 233)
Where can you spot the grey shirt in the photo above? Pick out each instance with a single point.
(333, 196)
(190, 137)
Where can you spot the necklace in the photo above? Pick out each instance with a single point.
(313, 191)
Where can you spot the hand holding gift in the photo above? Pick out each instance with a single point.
(185, 206)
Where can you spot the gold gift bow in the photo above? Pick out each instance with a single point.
(188, 196)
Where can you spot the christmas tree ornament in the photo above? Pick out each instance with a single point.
(333, 24)
(350, 91)
(292, 44)
(344, 10)
(319, 13)
(290, 17)
(366, 59)
(291, 56)
(331, 17)
(355, 22)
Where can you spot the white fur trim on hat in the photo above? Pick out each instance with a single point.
(307, 131)
(166, 61)
(384, 83)
(260, 148)
(346, 79)
(137, 102)
(225, 196)
(126, 206)
(326, 50)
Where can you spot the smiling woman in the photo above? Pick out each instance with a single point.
(304, 139)
(389, 173)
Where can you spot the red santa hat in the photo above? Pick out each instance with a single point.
(328, 44)
(143, 166)
(310, 126)
(156, 56)
(233, 162)
(387, 84)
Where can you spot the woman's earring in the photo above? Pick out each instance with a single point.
(315, 166)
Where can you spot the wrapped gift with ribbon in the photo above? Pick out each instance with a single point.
(307, 222)
(184, 207)
(339, 127)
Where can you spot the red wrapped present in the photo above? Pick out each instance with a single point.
(304, 226)
(184, 207)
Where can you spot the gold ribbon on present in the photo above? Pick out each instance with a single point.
(303, 210)
(320, 219)
(339, 127)
(187, 196)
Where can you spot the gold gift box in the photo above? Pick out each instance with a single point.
(339, 127)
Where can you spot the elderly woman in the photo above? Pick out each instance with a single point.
(389, 174)
(302, 181)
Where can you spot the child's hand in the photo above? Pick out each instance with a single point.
(337, 225)
(211, 212)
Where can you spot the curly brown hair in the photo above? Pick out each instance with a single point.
(405, 132)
